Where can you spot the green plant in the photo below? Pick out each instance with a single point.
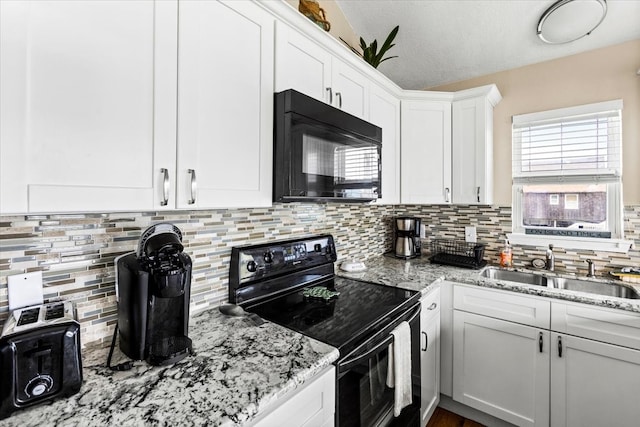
(370, 53)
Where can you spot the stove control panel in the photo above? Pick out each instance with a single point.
(269, 259)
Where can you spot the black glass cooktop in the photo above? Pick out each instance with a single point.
(340, 321)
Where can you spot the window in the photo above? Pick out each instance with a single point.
(567, 176)
(571, 202)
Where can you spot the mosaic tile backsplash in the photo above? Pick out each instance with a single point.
(76, 252)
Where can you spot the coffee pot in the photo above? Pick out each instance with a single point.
(407, 237)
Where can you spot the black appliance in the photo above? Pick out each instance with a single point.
(153, 288)
(407, 243)
(322, 153)
(39, 356)
(274, 280)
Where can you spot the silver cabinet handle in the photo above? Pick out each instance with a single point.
(426, 341)
(165, 187)
(432, 306)
(478, 194)
(339, 96)
(194, 186)
(447, 192)
(330, 95)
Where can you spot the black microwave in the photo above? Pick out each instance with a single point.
(321, 153)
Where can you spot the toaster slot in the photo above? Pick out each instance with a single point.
(29, 316)
(54, 311)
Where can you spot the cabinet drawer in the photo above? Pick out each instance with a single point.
(597, 323)
(517, 308)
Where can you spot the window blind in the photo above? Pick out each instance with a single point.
(577, 141)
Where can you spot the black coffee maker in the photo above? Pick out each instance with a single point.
(153, 288)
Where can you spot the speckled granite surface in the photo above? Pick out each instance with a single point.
(237, 370)
(419, 274)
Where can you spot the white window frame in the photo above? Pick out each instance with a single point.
(613, 180)
(570, 204)
(554, 199)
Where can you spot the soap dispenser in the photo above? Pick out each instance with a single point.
(506, 255)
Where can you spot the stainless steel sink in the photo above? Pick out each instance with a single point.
(515, 276)
(606, 289)
(599, 288)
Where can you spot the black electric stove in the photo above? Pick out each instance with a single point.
(292, 283)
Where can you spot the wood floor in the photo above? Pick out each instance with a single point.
(443, 418)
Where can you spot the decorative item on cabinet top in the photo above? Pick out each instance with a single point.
(312, 10)
(370, 53)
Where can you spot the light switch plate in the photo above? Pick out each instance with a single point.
(25, 290)
(423, 231)
(470, 234)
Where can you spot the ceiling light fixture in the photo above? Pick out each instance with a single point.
(569, 20)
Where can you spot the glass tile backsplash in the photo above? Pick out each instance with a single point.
(76, 252)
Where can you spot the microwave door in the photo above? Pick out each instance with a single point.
(334, 165)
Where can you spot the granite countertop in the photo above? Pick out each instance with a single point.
(238, 370)
(420, 275)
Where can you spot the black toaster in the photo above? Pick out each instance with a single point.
(39, 356)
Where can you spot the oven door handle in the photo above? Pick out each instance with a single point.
(348, 363)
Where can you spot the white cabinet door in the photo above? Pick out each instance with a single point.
(350, 89)
(313, 405)
(308, 67)
(225, 105)
(430, 354)
(384, 111)
(472, 152)
(301, 64)
(426, 152)
(501, 368)
(473, 145)
(87, 105)
(593, 384)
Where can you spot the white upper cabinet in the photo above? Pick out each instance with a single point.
(384, 111)
(310, 68)
(103, 111)
(302, 64)
(87, 105)
(426, 151)
(350, 89)
(473, 145)
(225, 105)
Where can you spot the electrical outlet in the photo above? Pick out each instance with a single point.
(470, 234)
(423, 231)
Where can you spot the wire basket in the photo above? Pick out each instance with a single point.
(457, 253)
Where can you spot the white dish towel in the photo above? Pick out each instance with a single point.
(399, 372)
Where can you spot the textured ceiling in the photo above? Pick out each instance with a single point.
(445, 41)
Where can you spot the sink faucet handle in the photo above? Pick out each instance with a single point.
(591, 268)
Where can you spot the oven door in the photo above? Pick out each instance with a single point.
(363, 398)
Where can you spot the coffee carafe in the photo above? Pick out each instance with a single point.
(153, 288)
(407, 232)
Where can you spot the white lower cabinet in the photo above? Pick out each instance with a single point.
(595, 377)
(501, 368)
(430, 354)
(593, 383)
(311, 406)
(535, 371)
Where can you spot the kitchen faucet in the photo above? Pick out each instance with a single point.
(591, 268)
(551, 259)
